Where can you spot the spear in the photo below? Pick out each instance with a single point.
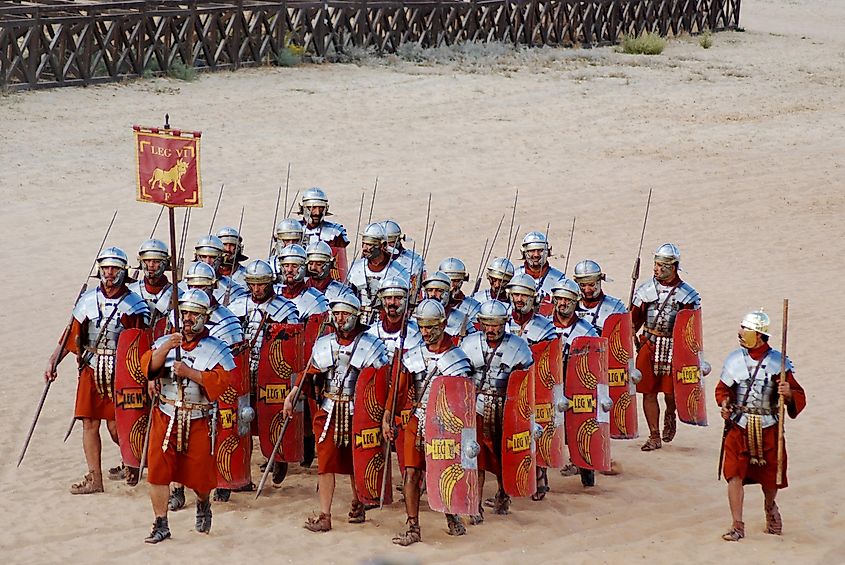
(358, 228)
(292, 204)
(276, 214)
(568, 251)
(635, 274)
(781, 402)
(512, 243)
(510, 229)
(234, 262)
(214, 216)
(373, 202)
(137, 272)
(287, 185)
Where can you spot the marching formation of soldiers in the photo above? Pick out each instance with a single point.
(350, 363)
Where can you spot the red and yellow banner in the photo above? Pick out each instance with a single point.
(168, 166)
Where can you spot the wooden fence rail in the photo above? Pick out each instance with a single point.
(63, 43)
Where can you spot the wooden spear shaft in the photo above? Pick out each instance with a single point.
(781, 403)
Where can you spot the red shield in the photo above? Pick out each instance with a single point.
(159, 328)
(341, 264)
(280, 361)
(371, 391)
(312, 329)
(686, 368)
(546, 307)
(623, 416)
(451, 447)
(403, 415)
(519, 459)
(588, 421)
(232, 449)
(131, 401)
(547, 373)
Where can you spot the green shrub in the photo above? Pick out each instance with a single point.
(706, 40)
(645, 44)
(181, 71)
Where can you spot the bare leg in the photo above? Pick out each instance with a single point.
(92, 446)
(158, 497)
(774, 523)
(412, 491)
(670, 403)
(651, 409)
(736, 495)
(326, 484)
(670, 423)
(111, 425)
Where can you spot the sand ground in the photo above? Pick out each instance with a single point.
(742, 143)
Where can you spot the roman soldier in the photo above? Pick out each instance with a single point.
(435, 356)
(524, 320)
(392, 294)
(494, 355)
(99, 316)
(535, 262)
(191, 369)
(656, 304)
(566, 294)
(314, 208)
(257, 311)
(499, 273)
(438, 287)
(366, 273)
(154, 288)
(337, 360)
(456, 270)
(309, 301)
(233, 255)
(748, 393)
(209, 249)
(595, 306)
(320, 262)
(408, 258)
(288, 232)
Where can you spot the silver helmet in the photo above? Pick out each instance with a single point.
(667, 253)
(588, 271)
(493, 312)
(259, 272)
(500, 268)
(349, 303)
(439, 281)
(154, 249)
(536, 240)
(113, 257)
(393, 286)
(566, 288)
(320, 252)
(229, 235)
(209, 246)
(393, 232)
(314, 196)
(374, 234)
(196, 301)
(429, 313)
(757, 321)
(287, 231)
(522, 284)
(294, 255)
(454, 268)
(200, 274)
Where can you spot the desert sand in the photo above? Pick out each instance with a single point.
(743, 145)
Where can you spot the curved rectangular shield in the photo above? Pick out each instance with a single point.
(368, 459)
(233, 444)
(687, 343)
(620, 359)
(131, 401)
(547, 373)
(546, 307)
(278, 366)
(588, 417)
(341, 264)
(451, 446)
(519, 448)
(403, 413)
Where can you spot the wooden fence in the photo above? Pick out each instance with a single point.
(63, 43)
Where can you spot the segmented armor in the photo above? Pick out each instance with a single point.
(470, 306)
(423, 365)
(538, 328)
(158, 303)
(324, 231)
(366, 284)
(277, 310)
(99, 342)
(598, 314)
(391, 339)
(544, 282)
(309, 302)
(756, 395)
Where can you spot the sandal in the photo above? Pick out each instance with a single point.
(736, 533)
(456, 526)
(87, 485)
(477, 519)
(542, 484)
(569, 470)
(280, 471)
(117, 473)
(177, 499)
(132, 476)
(588, 477)
(502, 503)
(203, 524)
(222, 494)
(161, 531)
(652, 443)
(357, 514)
(413, 535)
(670, 426)
(774, 524)
(321, 523)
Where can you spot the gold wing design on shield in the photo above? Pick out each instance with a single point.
(448, 479)
(133, 361)
(689, 336)
(371, 475)
(224, 456)
(277, 359)
(584, 435)
(693, 402)
(522, 475)
(585, 375)
(445, 418)
(544, 444)
(523, 404)
(544, 371)
(276, 426)
(136, 435)
(620, 411)
(374, 410)
(619, 352)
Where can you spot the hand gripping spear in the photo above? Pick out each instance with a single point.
(61, 349)
(635, 274)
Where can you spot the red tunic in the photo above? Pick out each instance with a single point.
(195, 467)
(737, 458)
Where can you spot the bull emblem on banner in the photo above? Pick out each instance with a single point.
(173, 176)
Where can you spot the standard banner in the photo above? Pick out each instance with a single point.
(168, 166)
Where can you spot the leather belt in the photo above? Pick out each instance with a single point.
(338, 397)
(100, 350)
(203, 407)
(657, 333)
(756, 411)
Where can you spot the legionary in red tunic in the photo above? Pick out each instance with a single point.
(747, 393)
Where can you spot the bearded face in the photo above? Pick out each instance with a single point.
(522, 303)
(314, 215)
(565, 307)
(665, 272)
(260, 291)
(493, 332)
(393, 305)
(749, 339)
(590, 290)
(432, 334)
